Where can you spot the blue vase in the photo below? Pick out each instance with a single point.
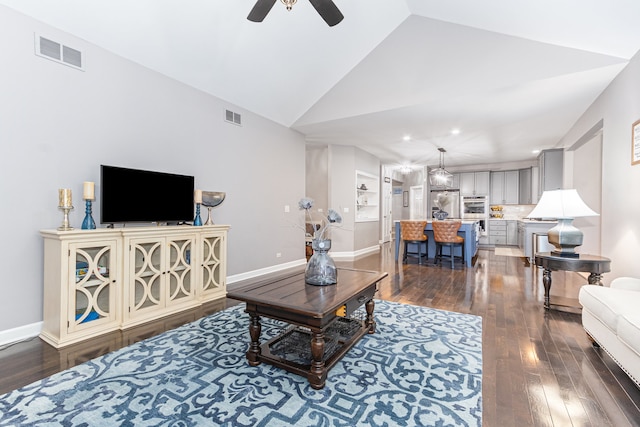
(321, 270)
(88, 223)
(197, 221)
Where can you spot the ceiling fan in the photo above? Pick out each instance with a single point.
(326, 8)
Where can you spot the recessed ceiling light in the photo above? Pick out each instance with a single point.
(455, 131)
(535, 151)
(406, 138)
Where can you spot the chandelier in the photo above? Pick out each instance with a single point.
(289, 3)
(440, 177)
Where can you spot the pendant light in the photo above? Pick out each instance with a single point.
(440, 177)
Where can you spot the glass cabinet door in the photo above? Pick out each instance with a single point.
(92, 292)
(179, 269)
(146, 275)
(212, 276)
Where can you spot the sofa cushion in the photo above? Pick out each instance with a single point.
(608, 304)
(629, 331)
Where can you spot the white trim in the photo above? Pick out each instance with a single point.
(346, 256)
(20, 333)
(257, 273)
(34, 329)
(350, 256)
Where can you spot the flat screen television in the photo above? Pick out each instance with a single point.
(134, 195)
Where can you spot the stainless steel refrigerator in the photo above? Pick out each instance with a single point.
(445, 200)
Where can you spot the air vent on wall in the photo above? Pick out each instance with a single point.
(49, 49)
(231, 117)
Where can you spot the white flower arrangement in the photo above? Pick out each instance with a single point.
(332, 218)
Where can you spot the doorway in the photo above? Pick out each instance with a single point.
(416, 202)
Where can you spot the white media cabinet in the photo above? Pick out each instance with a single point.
(102, 280)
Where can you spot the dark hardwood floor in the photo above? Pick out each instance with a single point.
(539, 367)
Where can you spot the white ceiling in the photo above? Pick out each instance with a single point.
(512, 75)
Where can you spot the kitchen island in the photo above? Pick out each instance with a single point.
(530, 231)
(468, 230)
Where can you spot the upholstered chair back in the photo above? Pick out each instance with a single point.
(413, 230)
(447, 231)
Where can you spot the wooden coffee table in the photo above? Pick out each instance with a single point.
(322, 322)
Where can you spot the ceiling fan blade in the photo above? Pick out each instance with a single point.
(260, 10)
(328, 10)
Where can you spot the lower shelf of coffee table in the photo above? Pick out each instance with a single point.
(291, 349)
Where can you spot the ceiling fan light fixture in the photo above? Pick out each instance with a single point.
(326, 8)
(289, 3)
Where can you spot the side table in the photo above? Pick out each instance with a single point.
(593, 264)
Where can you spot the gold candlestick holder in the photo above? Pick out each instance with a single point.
(65, 218)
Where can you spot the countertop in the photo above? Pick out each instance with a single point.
(429, 221)
(525, 220)
(538, 221)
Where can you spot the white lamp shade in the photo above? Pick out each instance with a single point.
(561, 204)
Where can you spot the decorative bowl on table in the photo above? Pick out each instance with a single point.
(211, 199)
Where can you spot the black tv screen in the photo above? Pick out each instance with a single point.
(133, 195)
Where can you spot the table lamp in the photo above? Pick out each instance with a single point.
(563, 205)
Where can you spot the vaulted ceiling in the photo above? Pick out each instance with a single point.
(512, 75)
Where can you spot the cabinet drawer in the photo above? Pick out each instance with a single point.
(360, 299)
(502, 232)
(497, 240)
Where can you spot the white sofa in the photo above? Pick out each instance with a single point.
(611, 316)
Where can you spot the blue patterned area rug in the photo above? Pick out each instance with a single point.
(422, 367)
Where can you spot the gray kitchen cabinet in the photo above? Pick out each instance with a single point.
(512, 233)
(455, 181)
(505, 187)
(527, 229)
(474, 183)
(524, 185)
(550, 163)
(497, 232)
(503, 232)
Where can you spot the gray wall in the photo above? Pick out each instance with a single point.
(618, 107)
(317, 175)
(59, 124)
(331, 174)
(367, 234)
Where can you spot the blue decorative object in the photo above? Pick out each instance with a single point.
(91, 316)
(197, 220)
(440, 215)
(88, 223)
(422, 367)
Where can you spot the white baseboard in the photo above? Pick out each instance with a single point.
(262, 271)
(350, 256)
(29, 331)
(20, 333)
(346, 256)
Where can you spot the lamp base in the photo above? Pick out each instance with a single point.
(565, 237)
(565, 254)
